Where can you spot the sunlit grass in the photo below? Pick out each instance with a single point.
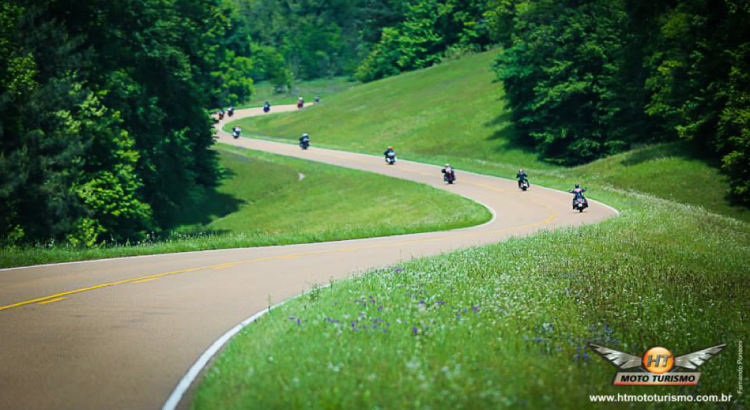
(263, 202)
(452, 109)
(505, 325)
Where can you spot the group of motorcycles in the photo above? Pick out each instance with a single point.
(449, 174)
(229, 113)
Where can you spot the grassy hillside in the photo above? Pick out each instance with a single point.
(329, 204)
(454, 113)
(451, 110)
(672, 171)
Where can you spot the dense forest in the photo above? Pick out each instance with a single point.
(105, 131)
(591, 78)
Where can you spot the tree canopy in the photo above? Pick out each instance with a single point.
(588, 78)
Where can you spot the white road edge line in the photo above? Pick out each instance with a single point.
(187, 380)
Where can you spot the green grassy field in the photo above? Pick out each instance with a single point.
(454, 113)
(263, 202)
(323, 87)
(505, 325)
(450, 110)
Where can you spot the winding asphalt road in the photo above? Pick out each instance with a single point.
(121, 333)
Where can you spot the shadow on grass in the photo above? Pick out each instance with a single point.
(208, 205)
(687, 151)
(680, 149)
(505, 131)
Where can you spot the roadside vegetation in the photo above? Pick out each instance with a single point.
(505, 325)
(279, 208)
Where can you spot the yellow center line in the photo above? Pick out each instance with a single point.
(61, 296)
(52, 301)
(144, 280)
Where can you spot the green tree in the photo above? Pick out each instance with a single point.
(420, 39)
(56, 148)
(562, 77)
(698, 81)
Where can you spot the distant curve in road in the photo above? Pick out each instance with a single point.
(121, 333)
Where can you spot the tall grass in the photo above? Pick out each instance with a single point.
(505, 325)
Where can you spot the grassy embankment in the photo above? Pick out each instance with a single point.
(263, 202)
(505, 325)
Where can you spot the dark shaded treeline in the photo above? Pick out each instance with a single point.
(369, 39)
(104, 129)
(589, 78)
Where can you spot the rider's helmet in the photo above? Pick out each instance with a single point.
(447, 165)
(390, 147)
(578, 186)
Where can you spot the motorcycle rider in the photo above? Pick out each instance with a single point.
(236, 131)
(304, 141)
(300, 102)
(230, 110)
(389, 153)
(317, 99)
(578, 193)
(221, 114)
(449, 172)
(521, 177)
(266, 106)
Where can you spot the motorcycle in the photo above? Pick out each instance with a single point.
(221, 115)
(390, 159)
(235, 134)
(304, 145)
(300, 104)
(230, 112)
(266, 108)
(580, 203)
(524, 185)
(449, 177)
